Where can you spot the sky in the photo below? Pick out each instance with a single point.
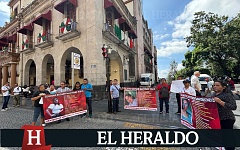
(170, 21)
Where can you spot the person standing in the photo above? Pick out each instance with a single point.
(188, 89)
(38, 108)
(178, 96)
(52, 90)
(231, 84)
(226, 104)
(209, 87)
(16, 92)
(87, 88)
(114, 90)
(77, 86)
(164, 90)
(195, 83)
(62, 89)
(6, 90)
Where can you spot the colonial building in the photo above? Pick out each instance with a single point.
(37, 44)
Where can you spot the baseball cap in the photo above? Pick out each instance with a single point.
(186, 81)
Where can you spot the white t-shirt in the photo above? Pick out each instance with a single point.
(194, 81)
(209, 86)
(5, 88)
(190, 91)
(17, 90)
(56, 109)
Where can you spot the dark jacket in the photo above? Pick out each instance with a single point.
(225, 112)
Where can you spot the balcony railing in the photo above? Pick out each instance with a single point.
(44, 40)
(116, 35)
(27, 47)
(68, 30)
(124, 11)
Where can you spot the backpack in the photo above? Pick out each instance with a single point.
(164, 92)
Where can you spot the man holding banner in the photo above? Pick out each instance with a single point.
(188, 89)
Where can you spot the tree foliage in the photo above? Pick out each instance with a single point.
(216, 42)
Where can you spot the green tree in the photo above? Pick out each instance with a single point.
(173, 71)
(210, 38)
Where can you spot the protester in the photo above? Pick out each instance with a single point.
(231, 84)
(54, 110)
(226, 103)
(52, 90)
(16, 92)
(209, 87)
(178, 96)
(6, 96)
(196, 84)
(77, 86)
(114, 89)
(87, 87)
(25, 91)
(38, 108)
(187, 88)
(61, 89)
(164, 90)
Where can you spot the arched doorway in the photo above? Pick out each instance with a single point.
(30, 73)
(48, 69)
(66, 68)
(116, 67)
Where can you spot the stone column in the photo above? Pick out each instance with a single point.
(5, 74)
(13, 74)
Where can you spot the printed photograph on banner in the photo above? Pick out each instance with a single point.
(74, 102)
(53, 107)
(186, 111)
(147, 98)
(130, 98)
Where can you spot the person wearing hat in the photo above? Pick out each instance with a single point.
(187, 88)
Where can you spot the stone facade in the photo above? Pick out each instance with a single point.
(45, 44)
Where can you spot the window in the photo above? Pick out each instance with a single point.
(70, 11)
(81, 71)
(125, 75)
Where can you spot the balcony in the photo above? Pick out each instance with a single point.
(7, 57)
(27, 47)
(68, 30)
(123, 10)
(147, 44)
(44, 40)
(115, 35)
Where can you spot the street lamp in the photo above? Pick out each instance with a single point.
(106, 55)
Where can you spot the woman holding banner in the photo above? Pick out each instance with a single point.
(38, 107)
(226, 103)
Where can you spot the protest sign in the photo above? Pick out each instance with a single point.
(140, 99)
(177, 86)
(199, 113)
(64, 105)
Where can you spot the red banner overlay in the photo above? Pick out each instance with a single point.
(140, 99)
(199, 113)
(34, 138)
(64, 105)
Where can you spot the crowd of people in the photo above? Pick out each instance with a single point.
(40, 92)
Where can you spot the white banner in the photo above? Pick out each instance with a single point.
(75, 61)
(177, 86)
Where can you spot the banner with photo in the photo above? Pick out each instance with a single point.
(199, 113)
(140, 99)
(64, 105)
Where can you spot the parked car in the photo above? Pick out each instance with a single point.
(202, 79)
